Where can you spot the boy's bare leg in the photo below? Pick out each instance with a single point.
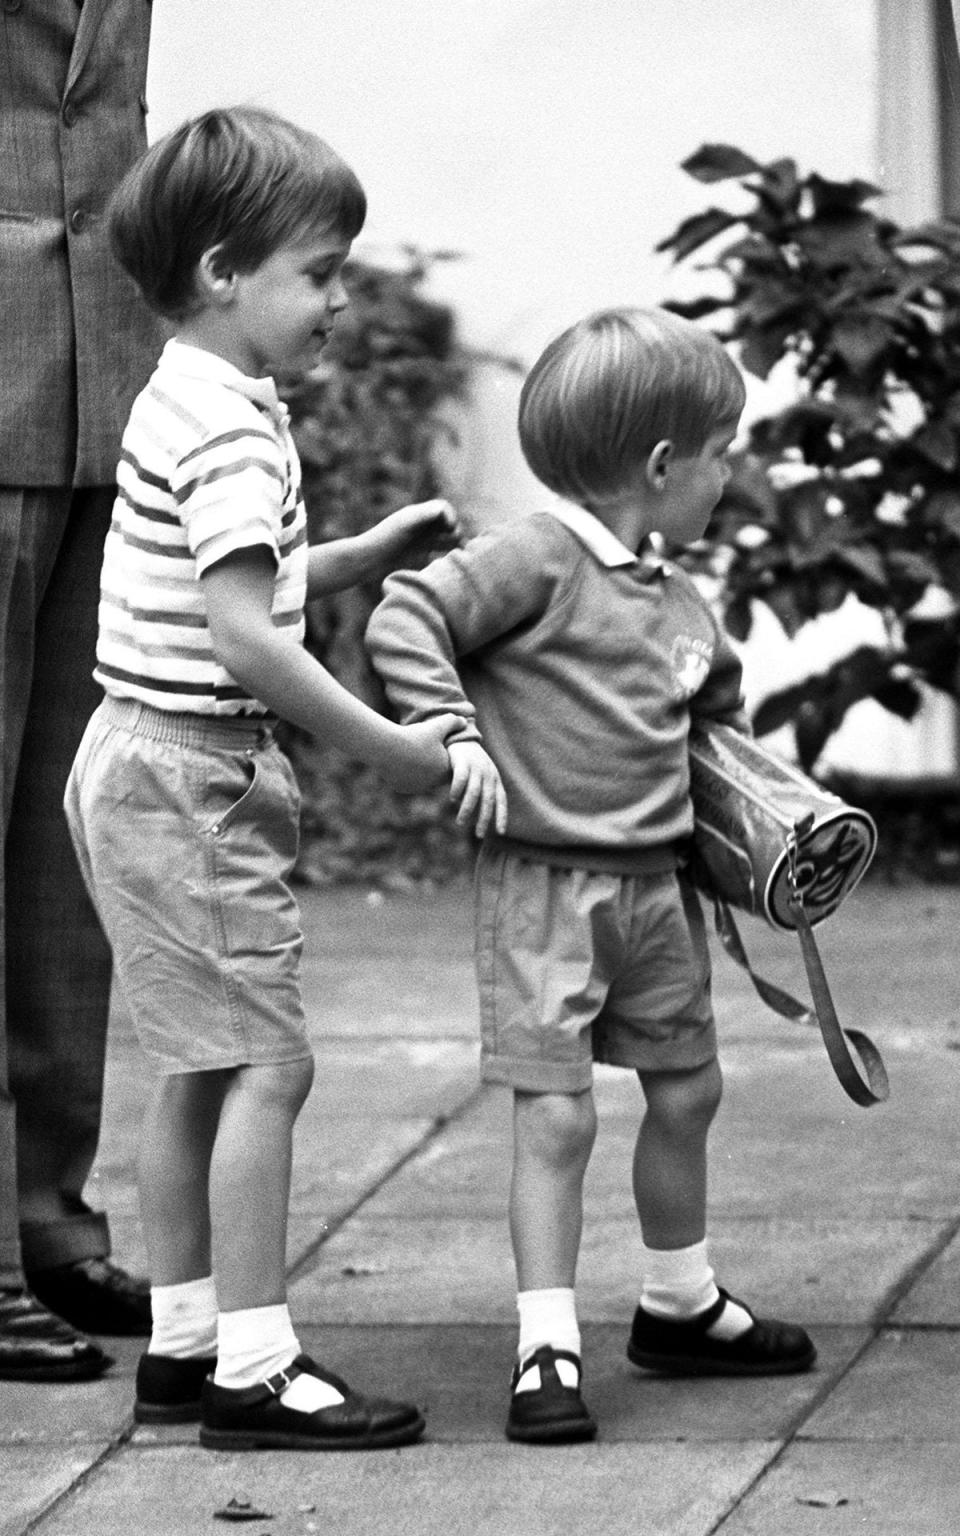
(670, 1159)
(553, 1138)
(250, 1182)
(684, 1322)
(176, 1147)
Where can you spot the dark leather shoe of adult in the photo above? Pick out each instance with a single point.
(95, 1295)
(36, 1346)
(254, 1418)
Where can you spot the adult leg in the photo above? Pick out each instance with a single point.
(33, 1344)
(58, 963)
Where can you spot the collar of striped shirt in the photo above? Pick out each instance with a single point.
(196, 363)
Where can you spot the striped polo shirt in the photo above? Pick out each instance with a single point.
(207, 467)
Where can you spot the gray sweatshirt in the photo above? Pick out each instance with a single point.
(578, 665)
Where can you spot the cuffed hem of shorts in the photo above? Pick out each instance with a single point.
(531, 1075)
(695, 1047)
(170, 1066)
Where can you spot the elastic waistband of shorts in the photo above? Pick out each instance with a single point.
(187, 730)
(659, 859)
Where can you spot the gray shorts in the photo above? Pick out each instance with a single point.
(186, 828)
(575, 967)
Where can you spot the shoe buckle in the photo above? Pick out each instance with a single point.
(278, 1383)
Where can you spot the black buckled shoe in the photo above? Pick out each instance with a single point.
(37, 1346)
(551, 1413)
(768, 1348)
(168, 1389)
(254, 1418)
(95, 1295)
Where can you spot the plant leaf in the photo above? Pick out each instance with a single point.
(780, 183)
(695, 309)
(839, 196)
(696, 231)
(943, 509)
(838, 240)
(719, 162)
(937, 441)
(900, 696)
(860, 341)
(866, 562)
(913, 566)
(761, 350)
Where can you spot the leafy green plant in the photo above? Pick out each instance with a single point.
(368, 425)
(852, 486)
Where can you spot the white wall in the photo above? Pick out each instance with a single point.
(540, 138)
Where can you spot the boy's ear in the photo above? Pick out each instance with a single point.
(215, 280)
(655, 469)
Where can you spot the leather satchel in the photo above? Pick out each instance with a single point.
(770, 841)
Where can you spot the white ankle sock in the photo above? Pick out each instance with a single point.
(547, 1317)
(678, 1283)
(257, 1342)
(184, 1319)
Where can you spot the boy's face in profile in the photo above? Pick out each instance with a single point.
(691, 487)
(285, 309)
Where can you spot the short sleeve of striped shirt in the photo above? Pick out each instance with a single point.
(229, 491)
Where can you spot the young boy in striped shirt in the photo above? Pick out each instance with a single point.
(183, 809)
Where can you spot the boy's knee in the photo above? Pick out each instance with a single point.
(685, 1098)
(283, 1086)
(301, 1078)
(559, 1127)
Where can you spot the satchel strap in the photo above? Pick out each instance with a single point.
(875, 1088)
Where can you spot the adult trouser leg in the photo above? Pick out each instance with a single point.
(57, 961)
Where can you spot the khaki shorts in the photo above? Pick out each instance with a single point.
(575, 967)
(186, 829)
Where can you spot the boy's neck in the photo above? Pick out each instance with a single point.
(207, 330)
(628, 518)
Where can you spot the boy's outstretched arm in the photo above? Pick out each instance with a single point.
(275, 668)
(343, 562)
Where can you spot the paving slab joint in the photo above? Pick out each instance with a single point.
(880, 1320)
(913, 1273)
(36, 1521)
(437, 1126)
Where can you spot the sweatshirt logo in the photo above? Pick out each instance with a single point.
(691, 659)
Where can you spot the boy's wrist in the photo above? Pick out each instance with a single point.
(465, 732)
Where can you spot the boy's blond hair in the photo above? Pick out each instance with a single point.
(607, 390)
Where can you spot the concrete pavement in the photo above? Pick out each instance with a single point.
(844, 1219)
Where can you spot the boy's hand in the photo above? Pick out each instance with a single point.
(420, 761)
(477, 788)
(432, 523)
